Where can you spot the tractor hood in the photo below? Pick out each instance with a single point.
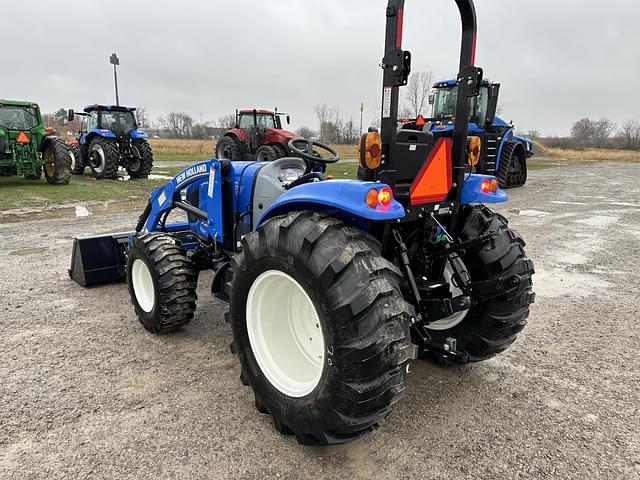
(282, 135)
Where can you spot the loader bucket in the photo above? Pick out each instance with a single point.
(100, 259)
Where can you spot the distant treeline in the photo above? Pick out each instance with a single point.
(602, 133)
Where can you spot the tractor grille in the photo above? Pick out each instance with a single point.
(491, 143)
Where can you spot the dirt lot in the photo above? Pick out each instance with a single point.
(87, 393)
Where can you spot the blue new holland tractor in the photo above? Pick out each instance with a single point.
(334, 286)
(108, 139)
(503, 153)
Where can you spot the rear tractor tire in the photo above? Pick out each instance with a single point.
(162, 282)
(104, 158)
(320, 327)
(57, 162)
(228, 148)
(487, 328)
(143, 163)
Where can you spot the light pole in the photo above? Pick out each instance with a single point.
(115, 61)
(361, 110)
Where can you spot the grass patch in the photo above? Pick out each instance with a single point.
(593, 155)
(176, 157)
(16, 192)
(343, 170)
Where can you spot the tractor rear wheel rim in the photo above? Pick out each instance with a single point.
(49, 163)
(73, 160)
(285, 333)
(97, 159)
(452, 320)
(143, 285)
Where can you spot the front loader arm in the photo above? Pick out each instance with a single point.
(207, 215)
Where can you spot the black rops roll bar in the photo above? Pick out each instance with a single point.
(396, 65)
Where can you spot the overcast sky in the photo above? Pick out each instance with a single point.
(557, 60)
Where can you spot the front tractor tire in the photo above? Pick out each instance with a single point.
(228, 148)
(162, 282)
(104, 158)
(266, 153)
(320, 327)
(143, 160)
(487, 328)
(77, 164)
(57, 162)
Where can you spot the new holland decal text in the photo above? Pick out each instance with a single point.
(195, 171)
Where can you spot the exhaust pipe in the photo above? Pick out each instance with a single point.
(99, 259)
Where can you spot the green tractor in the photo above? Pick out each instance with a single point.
(27, 147)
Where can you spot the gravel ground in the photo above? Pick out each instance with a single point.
(87, 393)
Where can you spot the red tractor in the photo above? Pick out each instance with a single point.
(258, 135)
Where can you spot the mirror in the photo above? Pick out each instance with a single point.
(432, 98)
(71, 115)
(288, 119)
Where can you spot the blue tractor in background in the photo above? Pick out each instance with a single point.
(334, 286)
(108, 139)
(502, 153)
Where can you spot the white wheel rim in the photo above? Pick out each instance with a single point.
(143, 285)
(73, 160)
(97, 150)
(285, 333)
(456, 318)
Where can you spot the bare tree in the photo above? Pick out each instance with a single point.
(603, 129)
(142, 118)
(324, 114)
(417, 92)
(630, 133)
(227, 121)
(306, 132)
(582, 132)
(199, 131)
(60, 116)
(178, 124)
(350, 132)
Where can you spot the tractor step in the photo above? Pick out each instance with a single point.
(99, 259)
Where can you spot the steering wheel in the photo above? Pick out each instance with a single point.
(309, 155)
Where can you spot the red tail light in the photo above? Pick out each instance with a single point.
(485, 185)
(385, 196)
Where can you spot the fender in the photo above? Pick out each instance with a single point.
(526, 144)
(506, 137)
(138, 135)
(238, 134)
(101, 132)
(346, 196)
(472, 191)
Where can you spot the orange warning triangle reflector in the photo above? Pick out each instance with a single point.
(434, 179)
(22, 138)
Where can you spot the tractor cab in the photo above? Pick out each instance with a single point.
(119, 120)
(482, 109)
(246, 119)
(501, 152)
